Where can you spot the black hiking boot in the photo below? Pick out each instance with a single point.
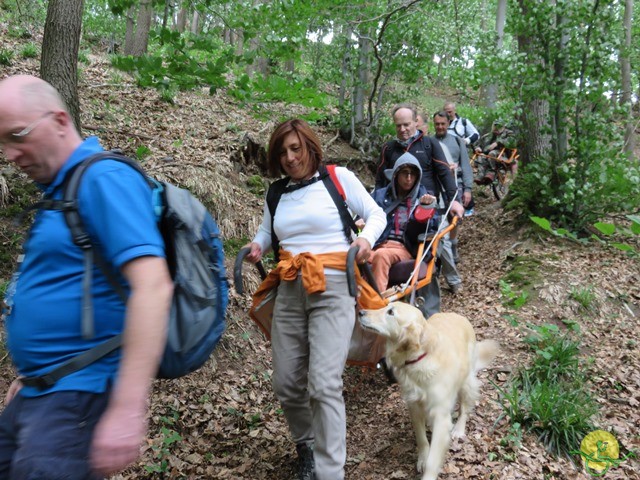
(306, 464)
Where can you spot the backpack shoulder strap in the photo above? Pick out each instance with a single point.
(273, 198)
(333, 186)
(81, 238)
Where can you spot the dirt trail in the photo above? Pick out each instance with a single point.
(230, 425)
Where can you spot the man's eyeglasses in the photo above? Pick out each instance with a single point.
(17, 137)
(406, 173)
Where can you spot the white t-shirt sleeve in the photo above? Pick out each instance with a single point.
(361, 203)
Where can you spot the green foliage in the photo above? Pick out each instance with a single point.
(30, 50)
(142, 152)
(567, 68)
(6, 57)
(273, 88)
(551, 398)
(83, 56)
(608, 230)
(256, 185)
(512, 298)
(584, 296)
(175, 67)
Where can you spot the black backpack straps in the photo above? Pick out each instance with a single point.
(273, 198)
(74, 364)
(81, 238)
(277, 188)
(348, 223)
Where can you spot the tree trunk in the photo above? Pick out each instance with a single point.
(560, 139)
(346, 65)
(181, 22)
(364, 50)
(168, 6)
(501, 15)
(143, 25)
(195, 22)
(260, 64)
(625, 66)
(535, 111)
(129, 33)
(59, 61)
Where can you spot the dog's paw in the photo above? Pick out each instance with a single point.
(421, 466)
(458, 432)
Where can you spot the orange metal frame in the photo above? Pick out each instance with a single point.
(397, 292)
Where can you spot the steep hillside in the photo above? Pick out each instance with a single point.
(224, 422)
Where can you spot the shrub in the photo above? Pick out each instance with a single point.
(550, 398)
(6, 57)
(30, 50)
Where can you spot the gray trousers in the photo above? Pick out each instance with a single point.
(448, 265)
(310, 338)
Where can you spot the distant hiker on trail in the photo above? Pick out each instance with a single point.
(461, 127)
(498, 143)
(457, 157)
(421, 123)
(91, 423)
(314, 315)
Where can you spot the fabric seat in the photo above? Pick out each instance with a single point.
(400, 272)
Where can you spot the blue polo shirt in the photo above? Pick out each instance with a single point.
(44, 328)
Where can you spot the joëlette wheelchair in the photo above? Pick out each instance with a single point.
(409, 280)
(506, 169)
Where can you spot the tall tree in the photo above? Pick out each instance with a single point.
(625, 64)
(59, 61)
(501, 15)
(143, 26)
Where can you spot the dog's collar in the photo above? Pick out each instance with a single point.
(415, 360)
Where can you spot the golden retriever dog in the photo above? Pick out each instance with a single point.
(435, 362)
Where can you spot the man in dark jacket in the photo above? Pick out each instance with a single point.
(428, 152)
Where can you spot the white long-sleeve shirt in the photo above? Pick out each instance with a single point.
(307, 220)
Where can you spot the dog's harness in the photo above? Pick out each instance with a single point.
(415, 360)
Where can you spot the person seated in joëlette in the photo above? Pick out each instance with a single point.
(400, 201)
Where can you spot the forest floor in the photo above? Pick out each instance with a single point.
(223, 422)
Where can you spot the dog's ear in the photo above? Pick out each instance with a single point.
(409, 339)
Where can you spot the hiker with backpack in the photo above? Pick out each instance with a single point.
(314, 315)
(461, 127)
(91, 422)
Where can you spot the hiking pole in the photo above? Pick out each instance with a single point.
(428, 249)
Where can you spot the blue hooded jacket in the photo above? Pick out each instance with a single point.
(387, 198)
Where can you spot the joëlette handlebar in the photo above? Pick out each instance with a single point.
(365, 270)
(237, 269)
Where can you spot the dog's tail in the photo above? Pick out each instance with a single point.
(486, 351)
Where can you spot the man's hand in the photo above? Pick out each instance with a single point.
(466, 198)
(365, 249)
(14, 388)
(457, 209)
(255, 255)
(427, 199)
(117, 440)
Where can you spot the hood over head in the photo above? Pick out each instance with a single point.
(391, 173)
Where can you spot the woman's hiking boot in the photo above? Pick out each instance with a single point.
(306, 464)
